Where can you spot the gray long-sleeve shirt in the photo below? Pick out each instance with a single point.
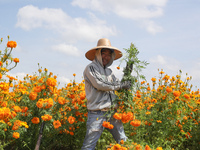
(100, 83)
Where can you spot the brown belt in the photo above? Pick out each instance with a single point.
(105, 109)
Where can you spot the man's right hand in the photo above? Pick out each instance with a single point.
(126, 85)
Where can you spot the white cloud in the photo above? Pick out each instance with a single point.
(66, 49)
(133, 9)
(18, 48)
(63, 81)
(162, 62)
(151, 26)
(72, 29)
(141, 11)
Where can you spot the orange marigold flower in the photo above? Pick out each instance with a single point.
(33, 95)
(153, 79)
(39, 103)
(15, 127)
(82, 95)
(16, 60)
(159, 121)
(198, 101)
(126, 117)
(117, 147)
(148, 88)
(147, 147)
(61, 100)
(37, 89)
(168, 89)
(12, 44)
(186, 96)
(49, 102)
(35, 120)
(176, 93)
(107, 125)
(17, 109)
(74, 74)
(51, 82)
(16, 135)
(185, 118)
(162, 72)
(1, 75)
(56, 124)
(135, 123)
(71, 119)
(122, 142)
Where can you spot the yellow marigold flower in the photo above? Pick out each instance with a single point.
(46, 117)
(1, 121)
(35, 120)
(39, 70)
(16, 135)
(159, 148)
(12, 44)
(117, 116)
(148, 113)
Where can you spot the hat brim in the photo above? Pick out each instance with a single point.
(91, 53)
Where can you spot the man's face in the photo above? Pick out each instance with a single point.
(106, 55)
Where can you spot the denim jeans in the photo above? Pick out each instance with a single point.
(95, 129)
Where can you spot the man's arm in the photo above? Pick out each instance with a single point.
(97, 80)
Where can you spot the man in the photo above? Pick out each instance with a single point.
(100, 84)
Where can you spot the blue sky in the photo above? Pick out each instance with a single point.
(57, 34)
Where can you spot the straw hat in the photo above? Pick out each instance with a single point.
(102, 43)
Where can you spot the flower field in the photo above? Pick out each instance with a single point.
(36, 114)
